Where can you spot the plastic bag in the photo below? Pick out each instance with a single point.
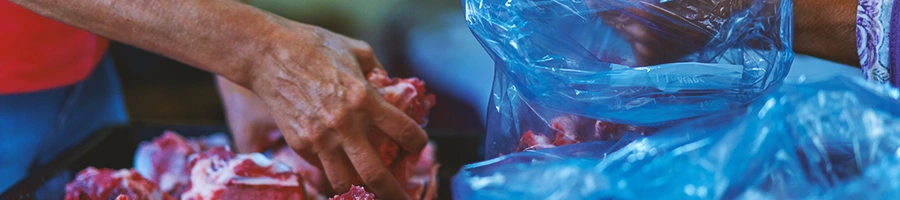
(637, 62)
(834, 139)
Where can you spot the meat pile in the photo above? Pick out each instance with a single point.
(355, 193)
(93, 183)
(571, 129)
(165, 160)
(245, 176)
(205, 168)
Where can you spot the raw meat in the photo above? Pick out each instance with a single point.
(165, 160)
(355, 193)
(314, 179)
(422, 179)
(205, 168)
(93, 183)
(246, 176)
(409, 96)
(571, 129)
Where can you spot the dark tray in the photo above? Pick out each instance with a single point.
(114, 148)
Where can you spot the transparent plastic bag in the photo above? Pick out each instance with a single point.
(834, 139)
(637, 62)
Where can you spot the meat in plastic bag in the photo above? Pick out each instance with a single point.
(834, 139)
(644, 63)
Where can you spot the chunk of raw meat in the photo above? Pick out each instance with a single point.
(530, 141)
(164, 161)
(314, 179)
(409, 96)
(93, 183)
(571, 129)
(355, 193)
(246, 176)
(422, 181)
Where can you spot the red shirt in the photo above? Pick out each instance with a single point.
(37, 53)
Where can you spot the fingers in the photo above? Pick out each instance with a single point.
(399, 127)
(338, 169)
(373, 171)
(364, 55)
(248, 118)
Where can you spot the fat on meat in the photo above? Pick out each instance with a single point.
(572, 129)
(164, 161)
(244, 176)
(93, 183)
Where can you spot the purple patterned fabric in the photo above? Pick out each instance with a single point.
(895, 44)
(873, 28)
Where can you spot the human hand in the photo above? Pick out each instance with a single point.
(251, 125)
(313, 84)
(665, 32)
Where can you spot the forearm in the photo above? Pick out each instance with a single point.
(826, 29)
(220, 36)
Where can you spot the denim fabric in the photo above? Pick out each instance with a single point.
(37, 126)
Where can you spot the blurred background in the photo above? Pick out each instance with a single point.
(428, 39)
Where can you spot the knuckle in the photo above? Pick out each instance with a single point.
(379, 177)
(321, 142)
(319, 32)
(412, 135)
(336, 120)
(365, 50)
(357, 97)
(340, 185)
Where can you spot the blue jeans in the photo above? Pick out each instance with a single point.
(37, 126)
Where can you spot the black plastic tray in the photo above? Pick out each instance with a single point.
(114, 148)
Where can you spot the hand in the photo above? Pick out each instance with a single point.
(251, 125)
(665, 32)
(312, 81)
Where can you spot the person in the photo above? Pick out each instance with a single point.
(823, 29)
(57, 85)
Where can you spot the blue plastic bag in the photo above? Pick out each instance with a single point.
(636, 62)
(834, 139)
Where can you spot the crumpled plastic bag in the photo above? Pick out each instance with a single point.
(637, 62)
(834, 139)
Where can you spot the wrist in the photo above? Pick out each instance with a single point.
(259, 57)
(826, 29)
(282, 47)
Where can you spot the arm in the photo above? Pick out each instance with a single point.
(249, 120)
(310, 79)
(826, 29)
(823, 28)
(217, 36)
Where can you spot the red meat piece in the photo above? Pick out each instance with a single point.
(355, 193)
(530, 141)
(409, 96)
(93, 183)
(571, 129)
(164, 161)
(420, 174)
(564, 136)
(245, 176)
(314, 179)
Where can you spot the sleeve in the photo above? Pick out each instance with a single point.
(876, 39)
(895, 42)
